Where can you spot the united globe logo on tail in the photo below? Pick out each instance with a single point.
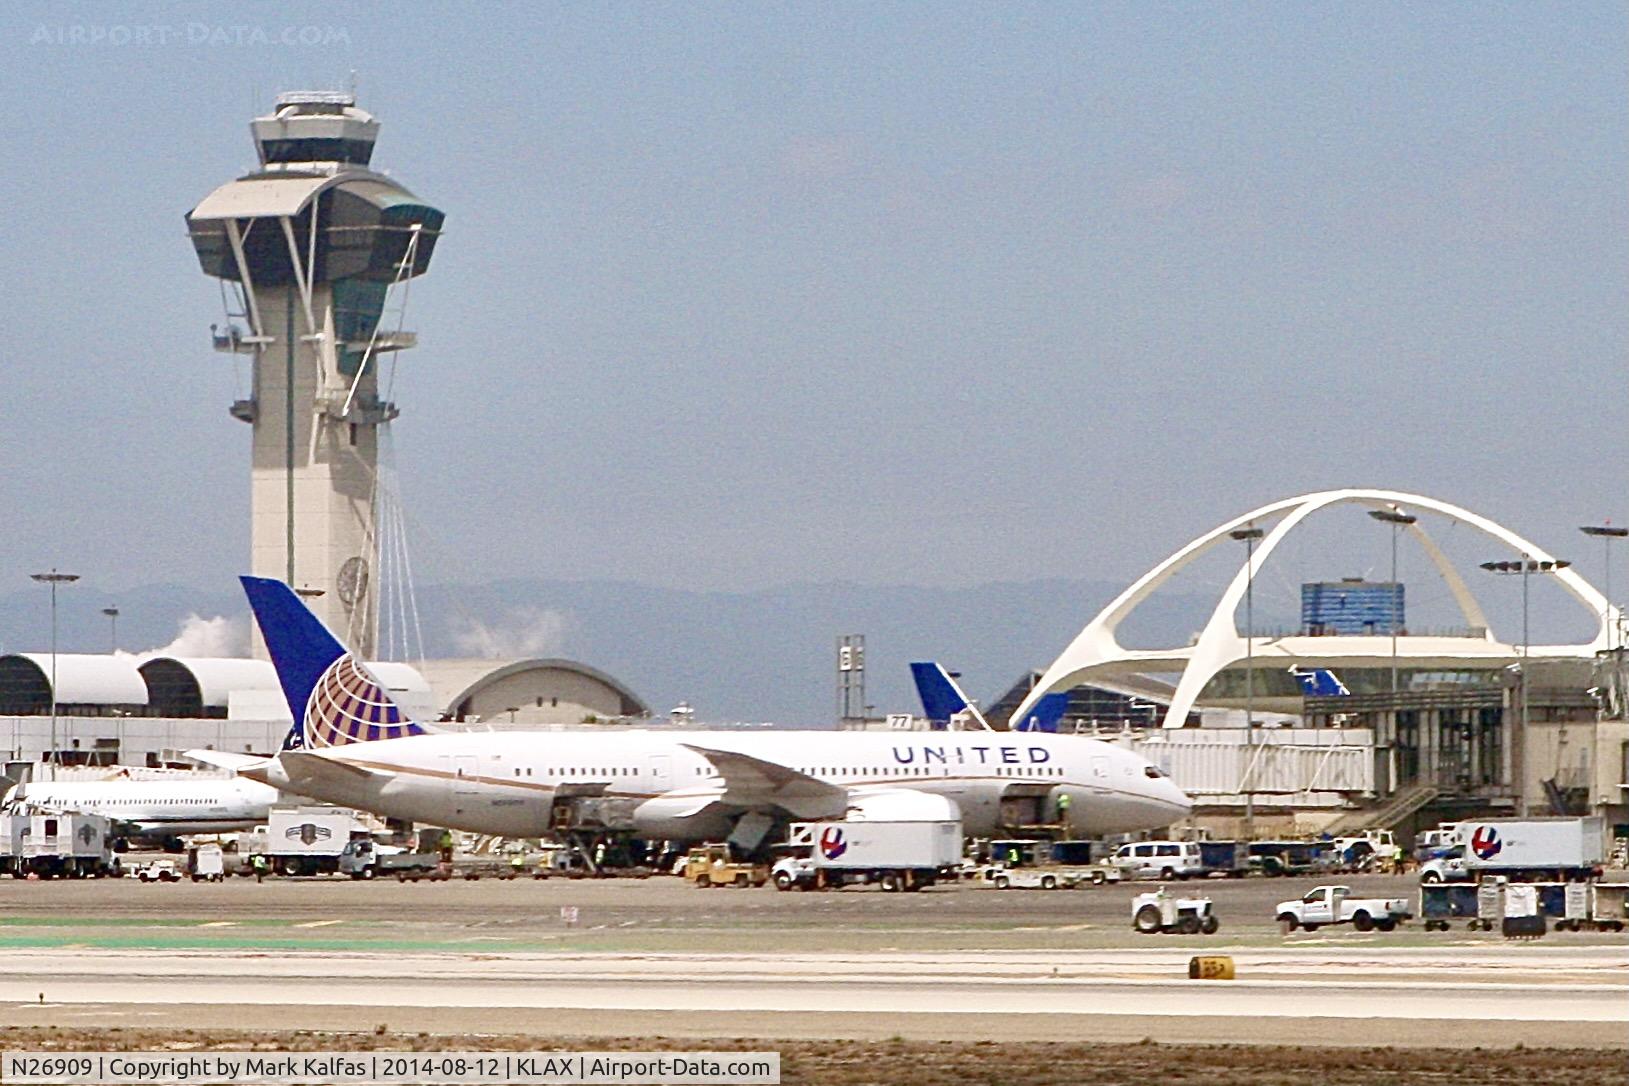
(832, 843)
(348, 705)
(1485, 842)
(332, 696)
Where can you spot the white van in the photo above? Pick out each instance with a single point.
(1160, 860)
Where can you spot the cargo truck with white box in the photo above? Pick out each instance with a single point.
(56, 845)
(894, 855)
(309, 840)
(1523, 850)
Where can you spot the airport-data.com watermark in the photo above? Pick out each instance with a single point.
(189, 35)
(391, 1068)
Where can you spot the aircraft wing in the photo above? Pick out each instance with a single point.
(224, 759)
(756, 782)
(302, 765)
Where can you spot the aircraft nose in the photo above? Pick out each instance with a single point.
(1173, 800)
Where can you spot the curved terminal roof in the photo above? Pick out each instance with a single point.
(203, 686)
(457, 682)
(185, 686)
(82, 679)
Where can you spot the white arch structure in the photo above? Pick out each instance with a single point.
(1095, 655)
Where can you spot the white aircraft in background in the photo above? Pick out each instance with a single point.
(162, 808)
(352, 745)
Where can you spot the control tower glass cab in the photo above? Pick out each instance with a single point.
(315, 132)
(311, 245)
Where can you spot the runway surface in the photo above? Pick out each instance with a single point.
(637, 958)
(1572, 996)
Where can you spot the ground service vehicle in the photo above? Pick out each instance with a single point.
(1361, 850)
(794, 873)
(50, 846)
(1433, 844)
(159, 871)
(309, 840)
(1003, 877)
(1049, 876)
(206, 863)
(361, 858)
(1323, 905)
(1441, 903)
(1574, 906)
(1230, 859)
(1600, 906)
(1165, 860)
(1278, 858)
(1522, 849)
(904, 855)
(1041, 865)
(715, 865)
(1162, 911)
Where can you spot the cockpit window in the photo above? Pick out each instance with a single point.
(1152, 771)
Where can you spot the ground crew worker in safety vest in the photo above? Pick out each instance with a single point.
(1063, 807)
(258, 863)
(446, 846)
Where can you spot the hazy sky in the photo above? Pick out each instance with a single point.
(736, 295)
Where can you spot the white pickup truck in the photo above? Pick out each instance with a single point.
(1335, 905)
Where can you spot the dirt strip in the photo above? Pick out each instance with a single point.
(946, 1063)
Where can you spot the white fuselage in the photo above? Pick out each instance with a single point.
(506, 782)
(169, 806)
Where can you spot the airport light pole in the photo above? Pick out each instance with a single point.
(1523, 568)
(1248, 536)
(1606, 533)
(53, 579)
(1397, 519)
(112, 614)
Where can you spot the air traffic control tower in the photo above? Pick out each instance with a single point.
(309, 246)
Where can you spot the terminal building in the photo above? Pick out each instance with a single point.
(1415, 727)
(145, 711)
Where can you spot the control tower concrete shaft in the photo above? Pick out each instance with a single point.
(311, 243)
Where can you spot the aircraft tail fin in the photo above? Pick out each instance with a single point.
(1319, 682)
(941, 698)
(1045, 714)
(334, 699)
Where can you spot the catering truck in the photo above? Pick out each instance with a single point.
(308, 840)
(56, 846)
(1522, 850)
(893, 855)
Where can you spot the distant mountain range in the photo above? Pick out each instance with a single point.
(765, 655)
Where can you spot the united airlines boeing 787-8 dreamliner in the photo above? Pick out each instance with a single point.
(353, 745)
